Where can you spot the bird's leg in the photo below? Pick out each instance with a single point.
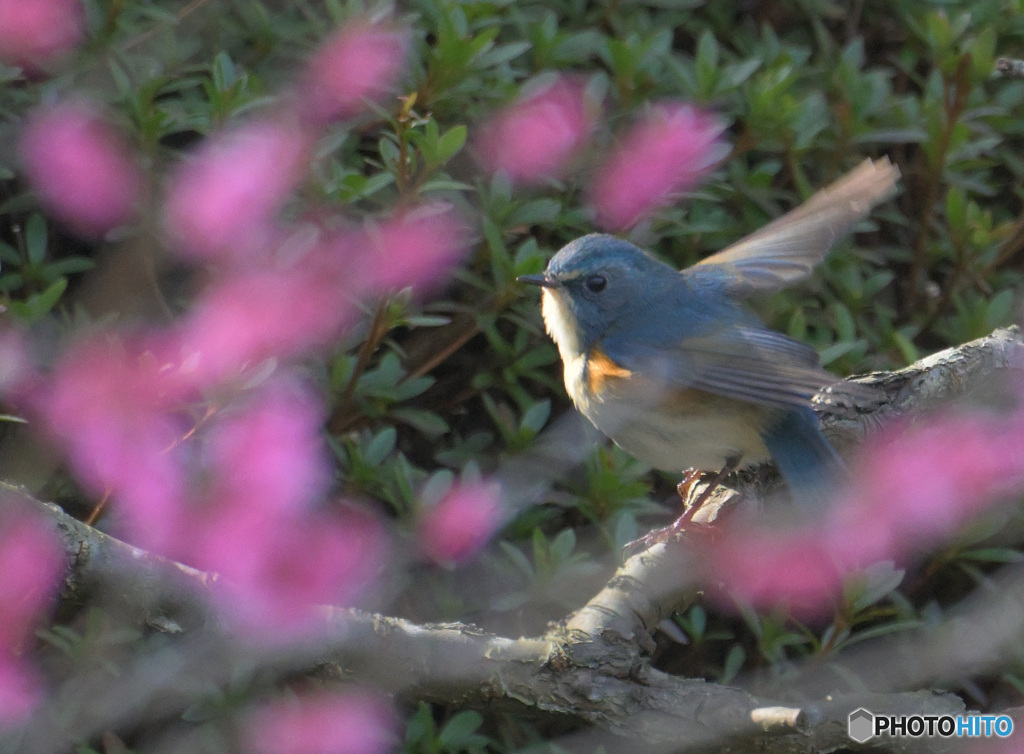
(731, 464)
(685, 521)
(690, 477)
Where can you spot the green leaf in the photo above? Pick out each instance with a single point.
(460, 729)
(450, 143)
(380, 447)
(35, 239)
(733, 663)
(536, 416)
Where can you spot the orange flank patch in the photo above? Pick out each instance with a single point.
(601, 369)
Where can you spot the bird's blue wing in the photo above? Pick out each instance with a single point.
(745, 363)
(789, 248)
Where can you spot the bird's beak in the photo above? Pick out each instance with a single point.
(542, 280)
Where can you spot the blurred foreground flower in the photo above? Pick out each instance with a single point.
(415, 248)
(276, 569)
(222, 203)
(341, 723)
(360, 63)
(911, 488)
(456, 528)
(667, 152)
(267, 453)
(111, 405)
(35, 33)
(261, 529)
(273, 312)
(31, 565)
(80, 167)
(536, 136)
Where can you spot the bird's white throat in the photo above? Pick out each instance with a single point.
(561, 324)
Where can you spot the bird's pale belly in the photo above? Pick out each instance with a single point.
(672, 432)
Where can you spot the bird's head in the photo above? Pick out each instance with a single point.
(592, 282)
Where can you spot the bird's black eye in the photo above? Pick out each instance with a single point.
(596, 283)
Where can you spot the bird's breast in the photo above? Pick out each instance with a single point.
(665, 426)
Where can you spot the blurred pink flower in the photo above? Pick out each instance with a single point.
(31, 571)
(662, 155)
(111, 407)
(338, 723)
(221, 204)
(269, 452)
(275, 569)
(765, 568)
(460, 524)
(34, 33)
(534, 137)
(21, 689)
(250, 316)
(916, 486)
(911, 488)
(31, 567)
(17, 371)
(361, 61)
(80, 167)
(416, 248)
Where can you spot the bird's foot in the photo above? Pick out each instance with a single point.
(685, 524)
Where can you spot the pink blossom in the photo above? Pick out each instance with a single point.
(222, 203)
(35, 33)
(766, 568)
(21, 689)
(915, 486)
(536, 136)
(415, 248)
(457, 528)
(361, 62)
(270, 453)
(275, 569)
(31, 566)
(111, 407)
(17, 371)
(81, 168)
(912, 487)
(338, 723)
(271, 312)
(662, 155)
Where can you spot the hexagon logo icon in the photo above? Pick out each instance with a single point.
(861, 725)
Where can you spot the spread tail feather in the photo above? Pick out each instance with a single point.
(808, 463)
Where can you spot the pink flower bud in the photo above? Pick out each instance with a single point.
(536, 136)
(361, 62)
(457, 528)
(35, 33)
(81, 168)
(221, 204)
(663, 154)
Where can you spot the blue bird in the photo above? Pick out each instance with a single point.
(675, 368)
